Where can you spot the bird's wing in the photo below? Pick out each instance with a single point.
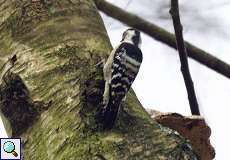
(118, 72)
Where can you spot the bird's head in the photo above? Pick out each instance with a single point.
(133, 36)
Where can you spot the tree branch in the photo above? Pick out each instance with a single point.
(174, 11)
(164, 36)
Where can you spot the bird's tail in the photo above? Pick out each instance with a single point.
(110, 111)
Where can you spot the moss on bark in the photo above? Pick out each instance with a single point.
(58, 44)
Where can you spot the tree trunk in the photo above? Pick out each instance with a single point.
(52, 94)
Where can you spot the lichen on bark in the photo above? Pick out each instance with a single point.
(57, 57)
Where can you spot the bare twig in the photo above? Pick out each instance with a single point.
(164, 36)
(174, 11)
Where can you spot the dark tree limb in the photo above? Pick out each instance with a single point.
(163, 36)
(174, 11)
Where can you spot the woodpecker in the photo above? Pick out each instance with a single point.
(120, 70)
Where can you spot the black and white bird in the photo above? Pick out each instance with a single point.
(120, 71)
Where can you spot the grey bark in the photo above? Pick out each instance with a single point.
(54, 90)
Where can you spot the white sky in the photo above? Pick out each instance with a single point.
(160, 85)
(2, 130)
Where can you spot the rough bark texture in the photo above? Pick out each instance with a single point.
(164, 36)
(56, 88)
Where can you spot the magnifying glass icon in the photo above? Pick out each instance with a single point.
(9, 147)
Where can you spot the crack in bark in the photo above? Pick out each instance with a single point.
(100, 157)
(15, 101)
(91, 91)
